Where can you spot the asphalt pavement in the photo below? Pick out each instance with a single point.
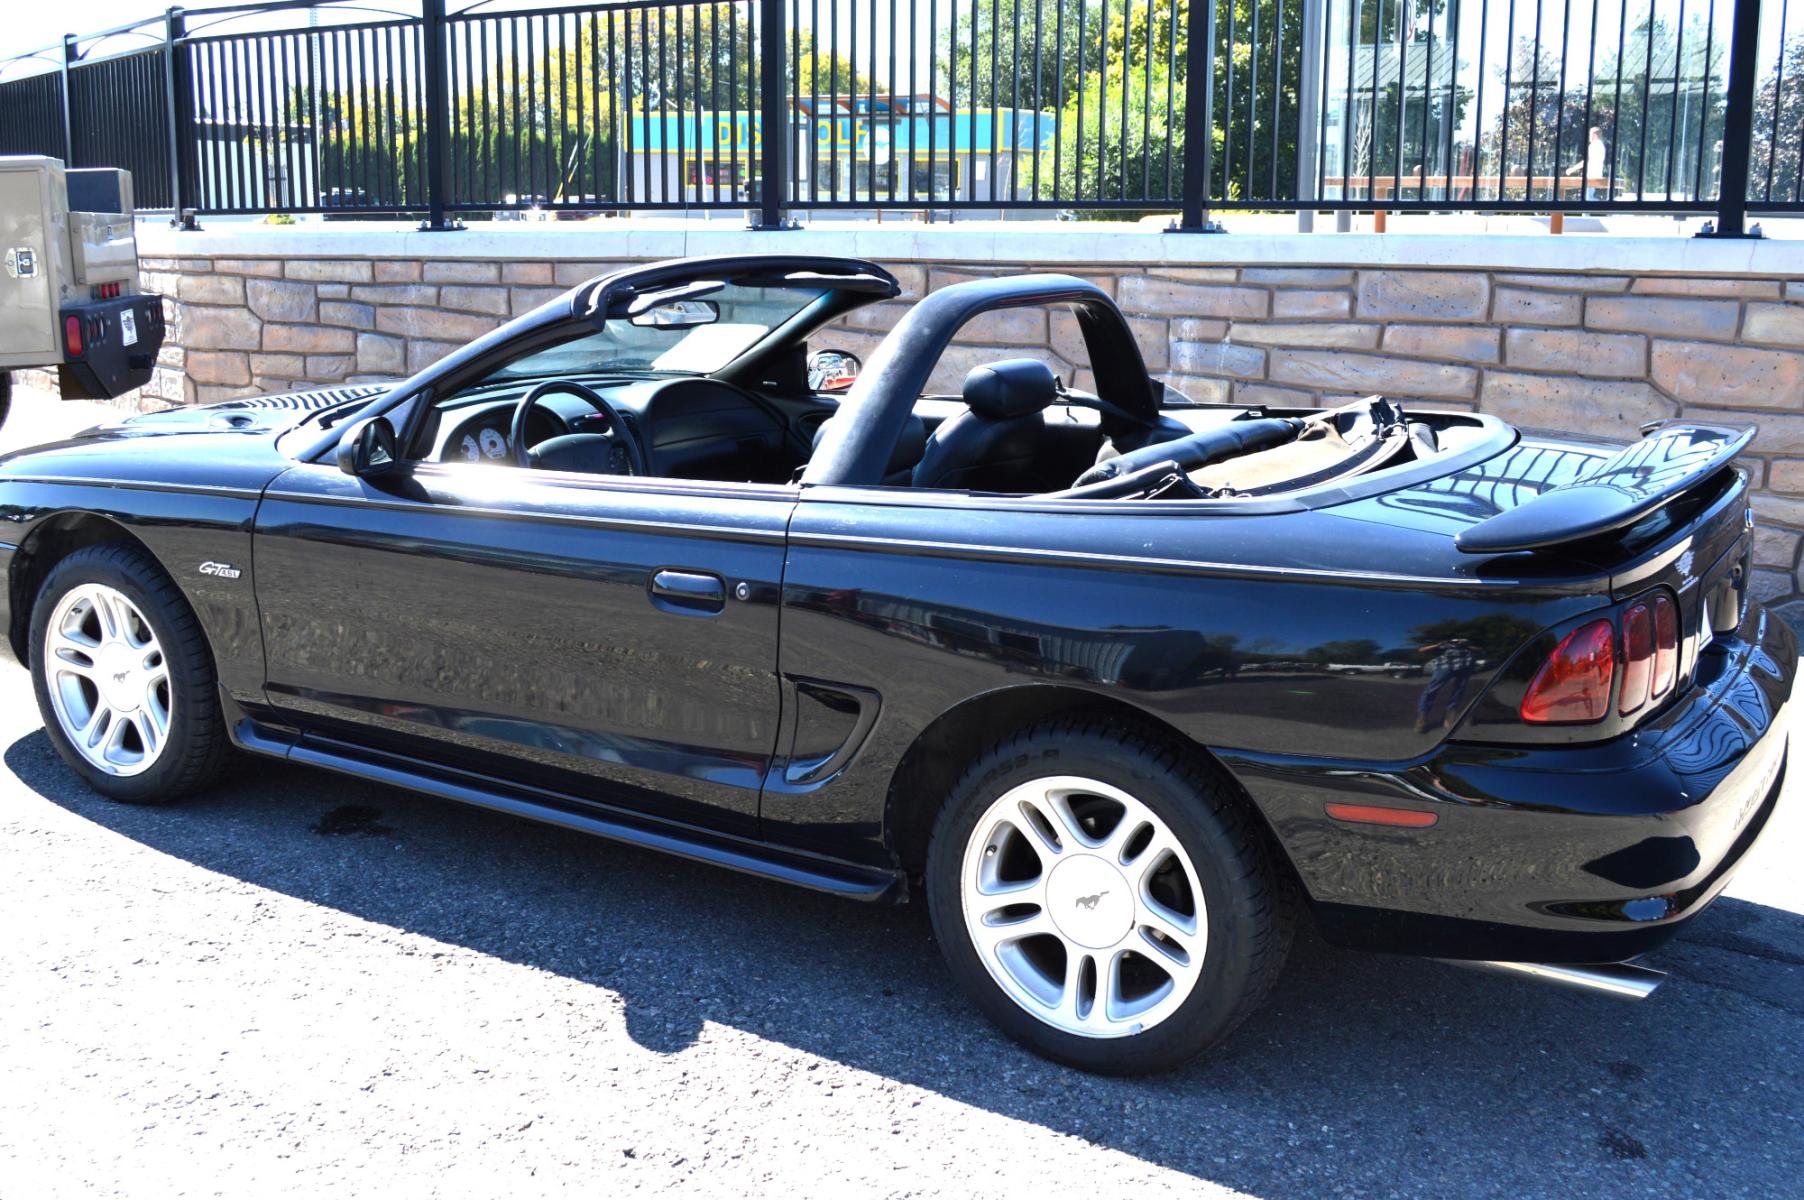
(299, 984)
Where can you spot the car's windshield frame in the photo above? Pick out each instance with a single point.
(693, 350)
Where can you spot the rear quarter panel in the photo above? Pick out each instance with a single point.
(1277, 634)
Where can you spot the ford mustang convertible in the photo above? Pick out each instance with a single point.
(1121, 685)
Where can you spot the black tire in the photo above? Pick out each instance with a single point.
(1248, 896)
(195, 748)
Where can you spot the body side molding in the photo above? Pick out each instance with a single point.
(854, 882)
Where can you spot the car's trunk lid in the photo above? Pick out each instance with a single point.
(1667, 511)
(1610, 497)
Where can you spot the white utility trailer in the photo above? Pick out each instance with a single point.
(69, 286)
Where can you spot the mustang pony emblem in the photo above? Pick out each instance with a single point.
(1090, 902)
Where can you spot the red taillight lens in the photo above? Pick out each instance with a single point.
(72, 335)
(1573, 685)
(1666, 643)
(1637, 658)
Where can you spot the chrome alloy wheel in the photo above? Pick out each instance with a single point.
(1083, 906)
(108, 679)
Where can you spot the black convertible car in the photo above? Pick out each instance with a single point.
(1120, 683)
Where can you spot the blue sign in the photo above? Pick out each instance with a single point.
(876, 136)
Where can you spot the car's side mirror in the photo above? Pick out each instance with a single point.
(833, 370)
(368, 448)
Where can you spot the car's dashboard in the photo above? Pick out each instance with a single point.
(477, 428)
(483, 437)
(689, 427)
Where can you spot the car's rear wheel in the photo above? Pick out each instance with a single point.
(1105, 897)
(124, 680)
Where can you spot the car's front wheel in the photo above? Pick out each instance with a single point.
(1105, 897)
(124, 679)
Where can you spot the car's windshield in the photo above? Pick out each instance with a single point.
(745, 314)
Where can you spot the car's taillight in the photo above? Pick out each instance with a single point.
(72, 335)
(1666, 643)
(1637, 658)
(1573, 685)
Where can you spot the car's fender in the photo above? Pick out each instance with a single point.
(200, 536)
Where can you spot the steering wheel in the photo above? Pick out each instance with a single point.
(618, 429)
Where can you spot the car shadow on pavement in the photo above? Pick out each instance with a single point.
(1361, 1075)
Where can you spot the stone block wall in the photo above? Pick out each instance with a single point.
(1595, 351)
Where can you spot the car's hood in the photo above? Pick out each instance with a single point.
(256, 414)
(227, 445)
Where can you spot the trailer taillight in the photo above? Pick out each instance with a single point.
(72, 335)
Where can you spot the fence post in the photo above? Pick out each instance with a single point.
(773, 121)
(1738, 126)
(176, 95)
(438, 116)
(69, 57)
(1309, 111)
(1199, 119)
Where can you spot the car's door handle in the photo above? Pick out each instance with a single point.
(690, 593)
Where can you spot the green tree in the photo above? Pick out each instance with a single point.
(1779, 130)
(365, 146)
(540, 106)
(1118, 91)
(1030, 54)
(1544, 132)
(1403, 130)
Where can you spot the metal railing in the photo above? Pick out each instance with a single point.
(1105, 107)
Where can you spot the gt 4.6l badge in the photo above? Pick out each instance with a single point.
(223, 570)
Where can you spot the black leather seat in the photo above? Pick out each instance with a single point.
(910, 444)
(995, 444)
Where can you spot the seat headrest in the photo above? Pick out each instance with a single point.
(1014, 387)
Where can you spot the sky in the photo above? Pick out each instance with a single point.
(33, 24)
(28, 25)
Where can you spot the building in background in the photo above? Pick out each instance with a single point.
(883, 150)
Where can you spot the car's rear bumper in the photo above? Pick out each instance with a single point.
(1553, 854)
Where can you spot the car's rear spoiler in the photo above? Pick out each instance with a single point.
(1618, 492)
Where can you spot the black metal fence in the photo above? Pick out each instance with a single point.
(994, 106)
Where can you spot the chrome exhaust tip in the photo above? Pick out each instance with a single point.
(1624, 980)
